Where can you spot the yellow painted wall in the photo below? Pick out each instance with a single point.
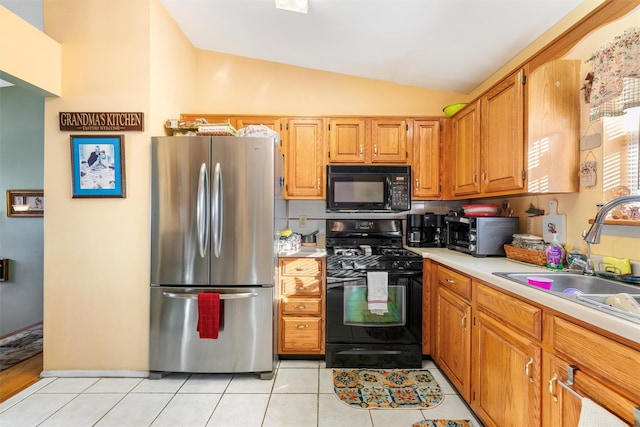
(580, 207)
(97, 250)
(28, 57)
(233, 84)
(128, 55)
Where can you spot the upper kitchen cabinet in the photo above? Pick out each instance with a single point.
(348, 140)
(425, 167)
(367, 141)
(502, 136)
(389, 140)
(553, 127)
(305, 159)
(521, 136)
(465, 151)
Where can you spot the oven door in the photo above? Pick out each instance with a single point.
(357, 338)
(349, 321)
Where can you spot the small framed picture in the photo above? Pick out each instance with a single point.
(97, 166)
(25, 203)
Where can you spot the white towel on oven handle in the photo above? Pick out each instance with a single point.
(378, 292)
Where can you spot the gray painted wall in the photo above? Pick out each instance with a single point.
(21, 239)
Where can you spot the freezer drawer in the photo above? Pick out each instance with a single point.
(245, 342)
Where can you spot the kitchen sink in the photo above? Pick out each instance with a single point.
(569, 283)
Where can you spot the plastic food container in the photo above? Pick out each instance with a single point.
(481, 210)
(540, 282)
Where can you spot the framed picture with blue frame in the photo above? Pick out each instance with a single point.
(97, 165)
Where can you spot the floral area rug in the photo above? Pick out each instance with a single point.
(21, 346)
(387, 388)
(442, 423)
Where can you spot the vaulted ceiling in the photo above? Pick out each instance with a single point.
(450, 45)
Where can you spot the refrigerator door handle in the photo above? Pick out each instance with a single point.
(202, 210)
(243, 295)
(217, 210)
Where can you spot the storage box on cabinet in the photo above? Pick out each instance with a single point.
(301, 313)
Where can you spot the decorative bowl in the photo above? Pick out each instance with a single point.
(450, 110)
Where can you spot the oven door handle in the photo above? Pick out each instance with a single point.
(339, 283)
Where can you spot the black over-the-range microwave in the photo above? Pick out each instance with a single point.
(368, 188)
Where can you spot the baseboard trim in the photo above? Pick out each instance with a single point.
(94, 374)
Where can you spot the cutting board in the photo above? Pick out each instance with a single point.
(553, 219)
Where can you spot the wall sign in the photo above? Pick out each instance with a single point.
(101, 122)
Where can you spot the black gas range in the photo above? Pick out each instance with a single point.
(361, 245)
(355, 335)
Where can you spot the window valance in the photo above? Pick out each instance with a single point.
(616, 76)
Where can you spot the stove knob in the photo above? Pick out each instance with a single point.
(472, 237)
(407, 265)
(472, 248)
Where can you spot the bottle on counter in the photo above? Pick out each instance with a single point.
(555, 253)
(575, 254)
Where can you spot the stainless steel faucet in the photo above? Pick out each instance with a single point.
(593, 235)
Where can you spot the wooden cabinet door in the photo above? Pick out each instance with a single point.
(347, 140)
(389, 141)
(561, 407)
(301, 335)
(426, 159)
(453, 339)
(502, 141)
(465, 153)
(506, 381)
(305, 160)
(553, 128)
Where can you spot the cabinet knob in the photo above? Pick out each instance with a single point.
(417, 183)
(464, 318)
(318, 183)
(299, 326)
(375, 149)
(449, 280)
(361, 149)
(299, 288)
(300, 307)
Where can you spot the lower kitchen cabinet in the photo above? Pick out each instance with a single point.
(521, 351)
(301, 306)
(604, 370)
(453, 338)
(506, 384)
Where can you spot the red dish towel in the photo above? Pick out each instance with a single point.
(208, 315)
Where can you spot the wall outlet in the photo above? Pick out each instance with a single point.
(302, 221)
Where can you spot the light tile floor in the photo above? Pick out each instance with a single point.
(300, 395)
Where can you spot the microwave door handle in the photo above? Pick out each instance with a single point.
(202, 210)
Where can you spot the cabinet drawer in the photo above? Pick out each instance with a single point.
(612, 361)
(301, 306)
(301, 286)
(457, 282)
(301, 335)
(301, 267)
(515, 313)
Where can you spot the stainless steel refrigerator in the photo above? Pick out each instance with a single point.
(215, 205)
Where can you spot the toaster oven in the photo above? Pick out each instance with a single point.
(480, 236)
